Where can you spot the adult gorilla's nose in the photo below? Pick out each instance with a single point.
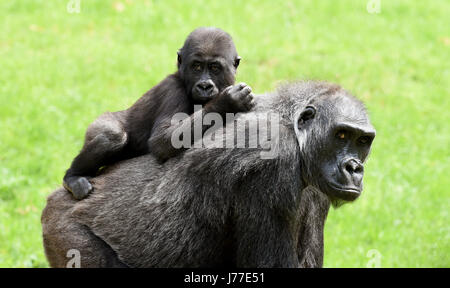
(354, 169)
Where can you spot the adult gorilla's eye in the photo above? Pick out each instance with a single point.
(196, 67)
(341, 134)
(364, 139)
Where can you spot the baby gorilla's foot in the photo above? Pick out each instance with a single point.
(78, 186)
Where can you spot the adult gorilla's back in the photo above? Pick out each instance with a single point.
(220, 207)
(145, 213)
(180, 213)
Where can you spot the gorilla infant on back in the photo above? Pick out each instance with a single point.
(224, 207)
(207, 65)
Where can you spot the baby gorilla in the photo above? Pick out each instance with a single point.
(207, 65)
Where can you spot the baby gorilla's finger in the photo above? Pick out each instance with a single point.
(249, 97)
(245, 92)
(250, 104)
(242, 85)
(234, 90)
(249, 101)
(237, 88)
(227, 89)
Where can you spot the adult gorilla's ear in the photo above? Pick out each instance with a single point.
(178, 58)
(307, 114)
(237, 61)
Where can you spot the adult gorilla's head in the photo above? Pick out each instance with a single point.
(335, 137)
(207, 63)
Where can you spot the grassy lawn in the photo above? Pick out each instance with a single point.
(59, 71)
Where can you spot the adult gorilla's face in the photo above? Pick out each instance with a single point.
(343, 172)
(339, 135)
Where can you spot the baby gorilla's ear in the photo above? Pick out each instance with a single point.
(178, 58)
(307, 114)
(237, 61)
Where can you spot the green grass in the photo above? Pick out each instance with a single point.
(58, 71)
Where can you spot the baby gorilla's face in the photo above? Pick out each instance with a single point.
(207, 63)
(206, 75)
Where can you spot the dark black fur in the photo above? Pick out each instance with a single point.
(214, 207)
(206, 67)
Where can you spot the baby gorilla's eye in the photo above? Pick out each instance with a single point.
(196, 67)
(341, 134)
(215, 68)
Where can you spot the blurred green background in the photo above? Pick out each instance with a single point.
(59, 71)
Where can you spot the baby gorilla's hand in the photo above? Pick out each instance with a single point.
(238, 97)
(233, 99)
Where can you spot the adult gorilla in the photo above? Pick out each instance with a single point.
(224, 207)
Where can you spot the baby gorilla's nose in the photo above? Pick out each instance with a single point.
(205, 85)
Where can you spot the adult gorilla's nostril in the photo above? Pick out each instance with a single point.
(354, 166)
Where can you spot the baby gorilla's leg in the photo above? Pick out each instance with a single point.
(104, 139)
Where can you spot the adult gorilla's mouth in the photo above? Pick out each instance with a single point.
(344, 193)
